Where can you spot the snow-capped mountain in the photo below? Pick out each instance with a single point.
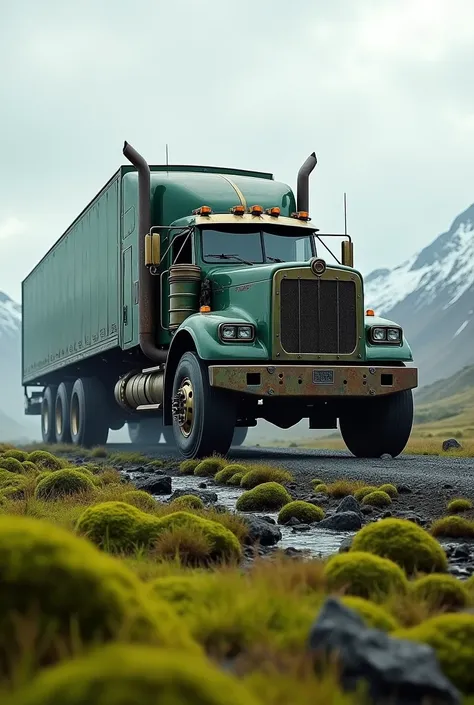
(432, 296)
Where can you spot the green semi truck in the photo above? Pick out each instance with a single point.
(191, 301)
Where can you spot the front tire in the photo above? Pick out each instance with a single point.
(203, 417)
(377, 426)
(47, 414)
(89, 413)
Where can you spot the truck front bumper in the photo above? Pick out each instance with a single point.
(313, 380)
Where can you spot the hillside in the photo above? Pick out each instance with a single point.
(432, 296)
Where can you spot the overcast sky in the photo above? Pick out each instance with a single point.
(381, 89)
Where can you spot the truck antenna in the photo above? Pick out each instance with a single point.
(167, 155)
(345, 214)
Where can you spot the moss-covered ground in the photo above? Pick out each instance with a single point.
(103, 590)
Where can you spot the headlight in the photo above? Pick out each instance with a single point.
(379, 334)
(383, 334)
(394, 335)
(229, 332)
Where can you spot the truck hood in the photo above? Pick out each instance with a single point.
(224, 276)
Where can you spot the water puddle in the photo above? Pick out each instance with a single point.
(317, 542)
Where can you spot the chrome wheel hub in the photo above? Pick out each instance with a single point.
(183, 407)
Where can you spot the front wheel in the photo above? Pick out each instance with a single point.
(203, 417)
(373, 427)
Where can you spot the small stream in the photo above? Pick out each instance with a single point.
(317, 542)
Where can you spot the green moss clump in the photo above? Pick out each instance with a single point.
(453, 527)
(188, 501)
(17, 488)
(322, 488)
(11, 464)
(29, 467)
(7, 478)
(72, 589)
(365, 575)
(441, 592)
(452, 638)
(390, 489)
(403, 542)
(317, 481)
(374, 616)
(45, 460)
(223, 476)
(304, 511)
(261, 475)
(141, 499)
(20, 455)
(63, 483)
(377, 499)
(456, 506)
(180, 590)
(269, 495)
(187, 467)
(138, 674)
(209, 467)
(236, 479)
(364, 491)
(119, 527)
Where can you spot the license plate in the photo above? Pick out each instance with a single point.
(323, 376)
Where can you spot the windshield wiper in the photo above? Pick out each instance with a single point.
(225, 256)
(274, 259)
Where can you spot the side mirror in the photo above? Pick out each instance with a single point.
(347, 253)
(152, 250)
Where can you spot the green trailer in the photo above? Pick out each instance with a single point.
(190, 302)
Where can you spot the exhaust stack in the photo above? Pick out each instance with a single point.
(147, 292)
(302, 185)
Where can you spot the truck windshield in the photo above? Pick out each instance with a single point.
(251, 245)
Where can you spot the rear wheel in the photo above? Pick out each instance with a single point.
(203, 417)
(377, 426)
(89, 413)
(47, 414)
(62, 407)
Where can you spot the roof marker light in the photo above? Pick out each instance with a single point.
(238, 210)
(275, 211)
(203, 210)
(205, 309)
(301, 215)
(256, 210)
(369, 312)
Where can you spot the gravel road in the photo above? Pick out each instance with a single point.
(432, 480)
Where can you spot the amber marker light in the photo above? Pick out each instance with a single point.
(238, 210)
(256, 210)
(203, 210)
(275, 212)
(369, 312)
(205, 309)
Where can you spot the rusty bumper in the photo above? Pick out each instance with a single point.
(313, 380)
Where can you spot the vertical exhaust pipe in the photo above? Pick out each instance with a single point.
(302, 185)
(146, 284)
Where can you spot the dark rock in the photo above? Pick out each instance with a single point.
(410, 516)
(318, 498)
(220, 508)
(344, 521)
(447, 486)
(346, 545)
(301, 528)
(293, 522)
(207, 497)
(202, 485)
(396, 671)
(155, 485)
(451, 444)
(461, 571)
(462, 552)
(348, 504)
(261, 531)
(403, 489)
(386, 456)
(293, 552)
(367, 509)
(270, 520)
(387, 514)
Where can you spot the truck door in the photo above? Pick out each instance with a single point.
(127, 297)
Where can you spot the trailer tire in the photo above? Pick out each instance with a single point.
(207, 415)
(377, 426)
(62, 413)
(47, 414)
(240, 434)
(89, 413)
